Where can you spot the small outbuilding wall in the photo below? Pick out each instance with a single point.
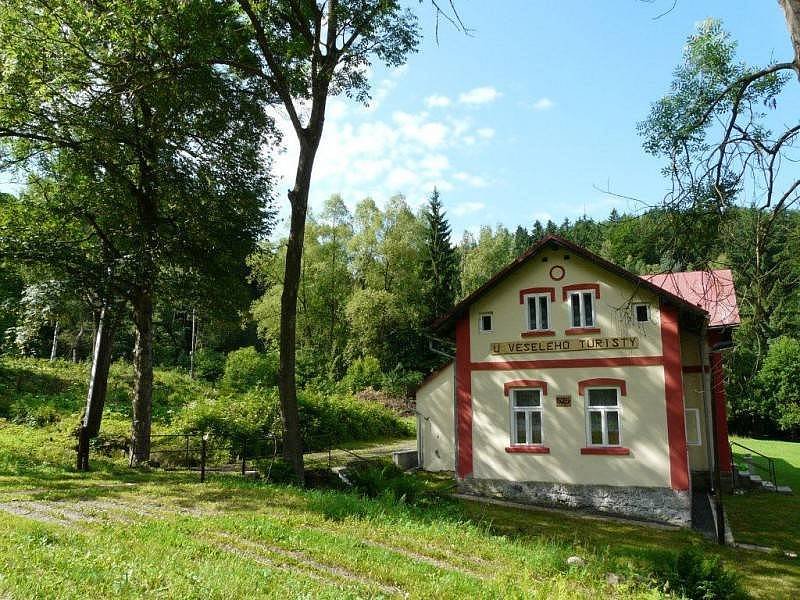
(435, 423)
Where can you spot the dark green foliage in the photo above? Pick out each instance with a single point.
(778, 382)
(440, 263)
(363, 373)
(374, 480)
(247, 368)
(209, 364)
(692, 574)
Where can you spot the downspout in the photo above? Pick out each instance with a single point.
(716, 479)
(431, 340)
(705, 386)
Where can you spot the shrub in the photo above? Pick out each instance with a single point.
(247, 368)
(374, 481)
(698, 577)
(209, 364)
(325, 419)
(363, 373)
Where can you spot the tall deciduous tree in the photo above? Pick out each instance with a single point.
(127, 99)
(440, 267)
(309, 50)
(725, 149)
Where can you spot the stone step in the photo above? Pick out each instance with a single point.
(756, 478)
(784, 489)
(768, 485)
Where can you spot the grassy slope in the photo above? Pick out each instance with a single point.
(764, 518)
(163, 535)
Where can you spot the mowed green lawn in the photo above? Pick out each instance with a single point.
(115, 533)
(765, 518)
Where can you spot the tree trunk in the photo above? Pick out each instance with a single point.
(98, 386)
(78, 338)
(791, 10)
(143, 377)
(54, 347)
(298, 197)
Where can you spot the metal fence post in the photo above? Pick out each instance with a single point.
(244, 455)
(203, 458)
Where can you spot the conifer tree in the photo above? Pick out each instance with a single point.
(440, 269)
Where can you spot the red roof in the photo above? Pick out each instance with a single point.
(712, 291)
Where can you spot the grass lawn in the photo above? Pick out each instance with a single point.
(765, 518)
(123, 534)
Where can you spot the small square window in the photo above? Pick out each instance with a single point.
(641, 312)
(485, 322)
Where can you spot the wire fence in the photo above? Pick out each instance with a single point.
(250, 455)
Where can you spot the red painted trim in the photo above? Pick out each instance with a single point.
(463, 398)
(606, 450)
(718, 396)
(537, 290)
(569, 363)
(575, 287)
(692, 368)
(581, 330)
(673, 396)
(602, 381)
(525, 383)
(527, 449)
(560, 277)
(539, 333)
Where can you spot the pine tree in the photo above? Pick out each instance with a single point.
(522, 240)
(537, 231)
(440, 269)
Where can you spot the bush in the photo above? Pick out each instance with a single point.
(209, 364)
(374, 481)
(325, 419)
(247, 368)
(693, 575)
(779, 382)
(341, 418)
(363, 373)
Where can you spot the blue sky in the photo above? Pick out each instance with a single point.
(526, 118)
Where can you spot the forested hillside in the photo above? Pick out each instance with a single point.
(373, 278)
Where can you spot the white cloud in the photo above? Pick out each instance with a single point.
(543, 104)
(437, 101)
(471, 180)
(363, 153)
(479, 95)
(466, 208)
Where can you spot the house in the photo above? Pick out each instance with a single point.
(576, 381)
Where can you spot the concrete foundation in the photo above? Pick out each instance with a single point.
(647, 503)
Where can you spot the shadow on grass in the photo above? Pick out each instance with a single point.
(622, 547)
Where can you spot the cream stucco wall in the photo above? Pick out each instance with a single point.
(613, 310)
(643, 415)
(435, 424)
(693, 399)
(643, 418)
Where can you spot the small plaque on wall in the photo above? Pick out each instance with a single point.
(564, 401)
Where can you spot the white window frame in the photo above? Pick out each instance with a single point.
(527, 410)
(603, 410)
(696, 420)
(635, 314)
(581, 304)
(527, 315)
(480, 322)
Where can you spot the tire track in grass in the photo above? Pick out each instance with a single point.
(20, 509)
(475, 566)
(301, 560)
